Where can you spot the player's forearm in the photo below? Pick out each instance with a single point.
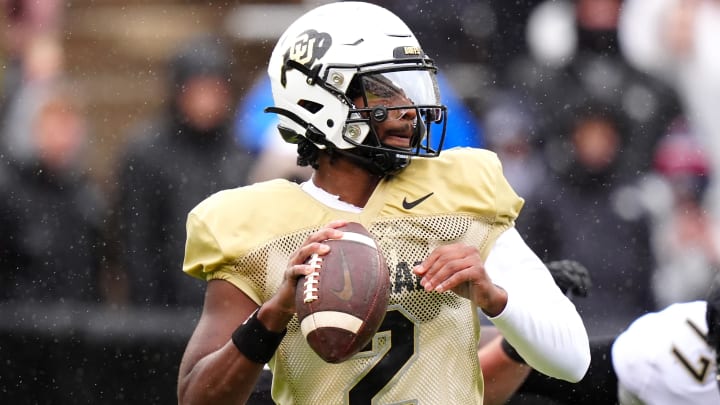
(502, 375)
(492, 301)
(223, 377)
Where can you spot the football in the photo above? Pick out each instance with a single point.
(342, 303)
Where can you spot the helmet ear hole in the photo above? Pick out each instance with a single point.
(288, 134)
(311, 106)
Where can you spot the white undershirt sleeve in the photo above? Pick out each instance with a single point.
(539, 321)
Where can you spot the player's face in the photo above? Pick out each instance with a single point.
(399, 106)
(398, 124)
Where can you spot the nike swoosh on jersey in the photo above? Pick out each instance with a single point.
(347, 290)
(408, 205)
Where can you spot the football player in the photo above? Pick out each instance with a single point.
(666, 357)
(356, 93)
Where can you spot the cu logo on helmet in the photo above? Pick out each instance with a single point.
(307, 48)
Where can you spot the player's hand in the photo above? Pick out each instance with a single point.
(460, 268)
(298, 266)
(571, 276)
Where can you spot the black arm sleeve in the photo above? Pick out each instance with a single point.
(599, 386)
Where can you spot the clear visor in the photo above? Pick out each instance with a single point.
(407, 88)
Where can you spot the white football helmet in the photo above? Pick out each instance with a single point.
(341, 51)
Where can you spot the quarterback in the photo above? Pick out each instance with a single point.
(361, 102)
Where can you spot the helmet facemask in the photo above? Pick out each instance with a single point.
(398, 110)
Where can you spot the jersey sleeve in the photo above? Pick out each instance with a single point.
(203, 254)
(539, 321)
(205, 259)
(482, 182)
(508, 203)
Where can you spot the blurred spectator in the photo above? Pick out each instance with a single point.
(510, 132)
(179, 158)
(43, 64)
(50, 214)
(685, 236)
(677, 41)
(577, 212)
(573, 58)
(473, 41)
(24, 22)
(453, 32)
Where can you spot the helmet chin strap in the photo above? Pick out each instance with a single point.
(387, 161)
(382, 162)
(377, 162)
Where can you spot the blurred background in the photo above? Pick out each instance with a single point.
(117, 117)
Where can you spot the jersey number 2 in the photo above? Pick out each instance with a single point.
(402, 348)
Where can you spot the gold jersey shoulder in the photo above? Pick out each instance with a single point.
(425, 351)
(461, 180)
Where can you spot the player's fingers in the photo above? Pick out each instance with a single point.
(451, 276)
(444, 269)
(437, 258)
(313, 243)
(296, 270)
(337, 223)
(329, 231)
(427, 271)
(303, 254)
(313, 264)
(443, 255)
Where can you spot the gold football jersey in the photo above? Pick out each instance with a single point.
(425, 350)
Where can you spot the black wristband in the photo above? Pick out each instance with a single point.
(511, 352)
(254, 341)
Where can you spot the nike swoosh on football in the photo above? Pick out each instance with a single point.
(408, 205)
(347, 291)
